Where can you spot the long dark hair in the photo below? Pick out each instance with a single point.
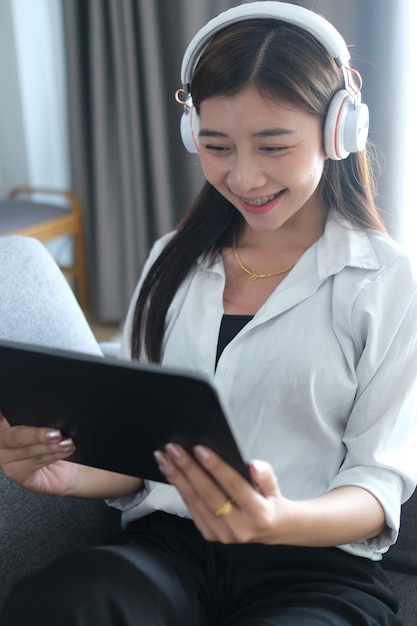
(284, 63)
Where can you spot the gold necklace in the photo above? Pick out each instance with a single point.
(253, 275)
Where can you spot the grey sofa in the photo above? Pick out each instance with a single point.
(37, 306)
(33, 529)
(400, 563)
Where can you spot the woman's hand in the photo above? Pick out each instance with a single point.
(226, 508)
(34, 458)
(207, 483)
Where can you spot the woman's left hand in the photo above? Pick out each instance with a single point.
(206, 483)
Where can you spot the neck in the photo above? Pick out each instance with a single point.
(293, 235)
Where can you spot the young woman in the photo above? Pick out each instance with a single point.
(283, 283)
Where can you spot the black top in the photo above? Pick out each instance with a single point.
(231, 325)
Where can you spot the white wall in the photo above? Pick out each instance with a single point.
(40, 53)
(13, 161)
(410, 141)
(34, 143)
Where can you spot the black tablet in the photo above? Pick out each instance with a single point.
(117, 412)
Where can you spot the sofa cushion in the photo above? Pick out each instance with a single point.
(400, 564)
(37, 305)
(36, 529)
(405, 586)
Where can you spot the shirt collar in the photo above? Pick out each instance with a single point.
(341, 245)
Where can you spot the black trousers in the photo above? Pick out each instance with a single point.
(163, 573)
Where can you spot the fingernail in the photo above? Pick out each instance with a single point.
(53, 435)
(202, 453)
(66, 443)
(160, 459)
(261, 468)
(173, 450)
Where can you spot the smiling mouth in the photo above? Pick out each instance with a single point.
(261, 201)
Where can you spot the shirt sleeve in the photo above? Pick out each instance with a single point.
(381, 433)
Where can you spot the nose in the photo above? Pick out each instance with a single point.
(245, 174)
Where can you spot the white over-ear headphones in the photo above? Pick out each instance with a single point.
(347, 120)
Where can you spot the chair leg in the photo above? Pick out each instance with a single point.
(81, 272)
(75, 228)
(80, 264)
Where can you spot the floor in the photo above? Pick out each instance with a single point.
(102, 332)
(105, 332)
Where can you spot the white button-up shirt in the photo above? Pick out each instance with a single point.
(321, 382)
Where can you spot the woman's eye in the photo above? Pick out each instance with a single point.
(218, 149)
(273, 149)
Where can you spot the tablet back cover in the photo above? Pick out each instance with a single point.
(117, 412)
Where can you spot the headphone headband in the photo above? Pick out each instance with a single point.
(313, 23)
(347, 119)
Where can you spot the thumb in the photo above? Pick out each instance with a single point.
(264, 477)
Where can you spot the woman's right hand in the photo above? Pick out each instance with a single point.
(33, 457)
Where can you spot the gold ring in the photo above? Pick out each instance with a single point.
(225, 509)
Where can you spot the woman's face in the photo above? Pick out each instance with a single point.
(265, 157)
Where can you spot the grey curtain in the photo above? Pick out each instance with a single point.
(128, 164)
(118, 56)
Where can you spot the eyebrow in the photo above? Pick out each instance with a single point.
(267, 132)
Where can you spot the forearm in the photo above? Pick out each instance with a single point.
(344, 515)
(91, 482)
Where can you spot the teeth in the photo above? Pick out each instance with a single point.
(261, 201)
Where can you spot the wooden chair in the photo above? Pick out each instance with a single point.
(21, 213)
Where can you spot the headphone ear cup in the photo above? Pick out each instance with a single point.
(346, 126)
(190, 127)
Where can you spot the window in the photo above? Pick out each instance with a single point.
(410, 140)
